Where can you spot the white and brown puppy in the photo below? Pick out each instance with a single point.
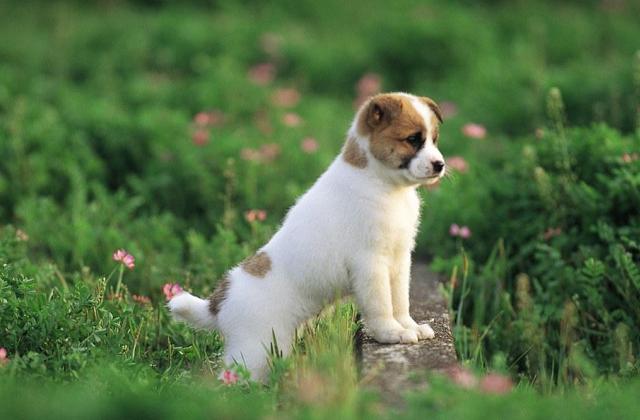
(353, 230)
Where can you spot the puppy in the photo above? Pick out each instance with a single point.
(354, 230)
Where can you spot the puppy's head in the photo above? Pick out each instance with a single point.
(402, 134)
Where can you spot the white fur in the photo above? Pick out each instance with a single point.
(192, 310)
(421, 166)
(354, 231)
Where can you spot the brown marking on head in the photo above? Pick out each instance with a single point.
(353, 154)
(389, 119)
(219, 294)
(257, 265)
(433, 106)
(436, 117)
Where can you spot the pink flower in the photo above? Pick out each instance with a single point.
(255, 214)
(262, 74)
(213, 117)
(474, 131)
(462, 231)
(269, 151)
(309, 145)
(368, 85)
(229, 377)
(125, 258)
(458, 163)
(250, 154)
(200, 137)
(143, 300)
(201, 118)
(291, 119)
(448, 109)
(285, 97)
(171, 289)
(3, 356)
(494, 383)
(630, 157)
(462, 377)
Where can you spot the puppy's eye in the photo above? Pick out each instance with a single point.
(415, 139)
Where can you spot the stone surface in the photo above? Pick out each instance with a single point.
(395, 368)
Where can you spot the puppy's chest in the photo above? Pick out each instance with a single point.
(396, 222)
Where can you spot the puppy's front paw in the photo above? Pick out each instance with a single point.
(424, 331)
(396, 336)
(391, 332)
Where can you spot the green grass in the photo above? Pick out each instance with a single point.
(97, 152)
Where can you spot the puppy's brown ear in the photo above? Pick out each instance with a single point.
(433, 106)
(379, 112)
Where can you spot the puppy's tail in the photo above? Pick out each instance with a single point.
(191, 309)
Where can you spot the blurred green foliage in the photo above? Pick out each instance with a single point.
(57, 326)
(558, 293)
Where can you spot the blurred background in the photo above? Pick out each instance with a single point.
(156, 125)
(183, 131)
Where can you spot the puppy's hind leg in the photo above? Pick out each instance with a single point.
(252, 350)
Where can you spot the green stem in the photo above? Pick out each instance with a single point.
(119, 284)
(111, 273)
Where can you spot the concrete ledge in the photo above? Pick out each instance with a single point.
(393, 368)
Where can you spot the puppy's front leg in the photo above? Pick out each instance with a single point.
(373, 293)
(400, 278)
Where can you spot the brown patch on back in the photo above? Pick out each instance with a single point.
(219, 295)
(257, 265)
(353, 154)
(388, 119)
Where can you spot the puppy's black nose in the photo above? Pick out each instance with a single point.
(437, 165)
